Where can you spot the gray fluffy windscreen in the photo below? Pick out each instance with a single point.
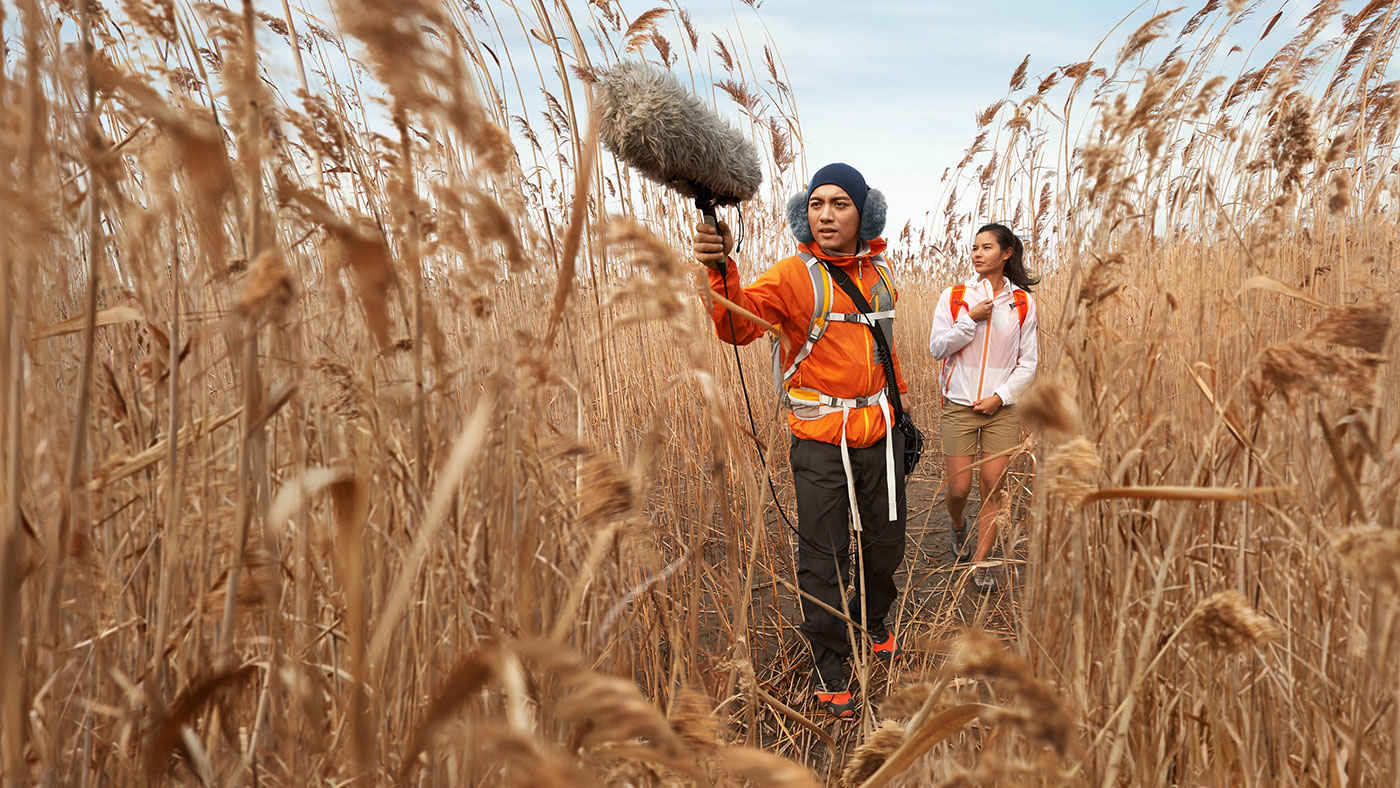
(648, 120)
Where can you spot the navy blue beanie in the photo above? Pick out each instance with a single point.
(845, 176)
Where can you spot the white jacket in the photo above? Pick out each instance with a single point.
(995, 356)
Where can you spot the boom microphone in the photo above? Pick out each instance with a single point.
(652, 123)
(648, 121)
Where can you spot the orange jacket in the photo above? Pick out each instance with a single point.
(843, 363)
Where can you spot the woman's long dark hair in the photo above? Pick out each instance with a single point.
(1015, 269)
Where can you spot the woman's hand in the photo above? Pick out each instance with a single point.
(981, 311)
(712, 245)
(987, 405)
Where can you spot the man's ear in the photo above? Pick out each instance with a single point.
(798, 225)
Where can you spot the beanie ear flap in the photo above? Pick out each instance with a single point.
(872, 216)
(798, 225)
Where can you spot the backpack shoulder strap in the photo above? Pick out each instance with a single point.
(822, 287)
(955, 300)
(1023, 306)
(882, 269)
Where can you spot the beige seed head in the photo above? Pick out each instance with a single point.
(766, 769)
(873, 752)
(1070, 469)
(1372, 554)
(694, 724)
(1048, 405)
(1337, 149)
(361, 250)
(535, 765)
(905, 702)
(1361, 327)
(1038, 712)
(1291, 143)
(1227, 623)
(347, 394)
(1341, 193)
(269, 288)
(611, 711)
(1300, 367)
(607, 491)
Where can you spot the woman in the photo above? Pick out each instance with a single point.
(984, 331)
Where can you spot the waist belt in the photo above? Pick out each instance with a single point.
(810, 405)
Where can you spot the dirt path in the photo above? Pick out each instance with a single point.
(939, 599)
(936, 603)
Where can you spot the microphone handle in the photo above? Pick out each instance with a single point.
(706, 205)
(707, 212)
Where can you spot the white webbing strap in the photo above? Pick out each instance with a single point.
(821, 301)
(816, 404)
(893, 507)
(815, 333)
(837, 403)
(866, 318)
(889, 459)
(846, 463)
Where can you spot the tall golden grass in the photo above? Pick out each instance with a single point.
(358, 446)
(1219, 388)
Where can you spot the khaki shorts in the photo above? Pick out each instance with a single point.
(962, 426)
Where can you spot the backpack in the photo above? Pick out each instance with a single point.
(956, 302)
(822, 316)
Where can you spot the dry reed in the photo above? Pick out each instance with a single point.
(371, 430)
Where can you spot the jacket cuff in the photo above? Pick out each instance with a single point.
(730, 268)
(1007, 398)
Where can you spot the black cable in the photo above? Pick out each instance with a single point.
(748, 406)
(744, 387)
(739, 242)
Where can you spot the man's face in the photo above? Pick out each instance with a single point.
(834, 219)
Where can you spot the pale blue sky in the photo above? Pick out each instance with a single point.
(891, 86)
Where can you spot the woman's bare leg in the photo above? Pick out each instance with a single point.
(959, 486)
(991, 485)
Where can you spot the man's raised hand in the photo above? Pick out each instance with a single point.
(712, 248)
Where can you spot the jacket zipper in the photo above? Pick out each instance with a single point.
(986, 342)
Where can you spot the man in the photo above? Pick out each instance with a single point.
(847, 458)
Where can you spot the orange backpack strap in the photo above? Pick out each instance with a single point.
(955, 300)
(1023, 306)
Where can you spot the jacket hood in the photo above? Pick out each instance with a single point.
(976, 282)
(874, 247)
